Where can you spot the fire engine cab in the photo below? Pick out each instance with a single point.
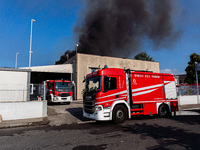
(57, 91)
(117, 94)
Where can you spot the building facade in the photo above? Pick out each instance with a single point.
(83, 64)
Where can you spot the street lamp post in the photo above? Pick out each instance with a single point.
(75, 93)
(197, 78)
(197, 69)
(16, 60)
(76, 50)
(32, 20)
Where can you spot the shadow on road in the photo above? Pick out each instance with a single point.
(165, 136)
(78, 113)
(187, 119)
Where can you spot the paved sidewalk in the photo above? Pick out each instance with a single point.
(24, 122)
(182, 107)
(57, 115)
(64, 114)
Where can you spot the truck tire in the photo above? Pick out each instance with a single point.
(49, 102)
(163, 110)
(119, 114)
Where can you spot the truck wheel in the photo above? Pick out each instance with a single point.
(49, 102)
(163, 110)
(119, 114)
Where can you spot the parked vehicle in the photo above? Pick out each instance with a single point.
(117, 94)
(57, 91)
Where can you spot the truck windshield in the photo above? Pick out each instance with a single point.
(63, 86)
(94, 84)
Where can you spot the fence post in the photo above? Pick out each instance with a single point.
(28, 88)
(44, 98)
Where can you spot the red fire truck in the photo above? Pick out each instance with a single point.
(117, 94)
(57, 91)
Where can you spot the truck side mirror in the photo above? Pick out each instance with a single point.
(84, 79)
(63, 81)
(51, 85)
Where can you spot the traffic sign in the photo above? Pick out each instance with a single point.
(198, 66)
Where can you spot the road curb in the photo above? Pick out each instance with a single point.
(24, 122)
(191, 106)
(46, 121)
(84, 122)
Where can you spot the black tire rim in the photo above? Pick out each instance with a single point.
(163, 110)
(120, 114)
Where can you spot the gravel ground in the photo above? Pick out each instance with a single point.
(59, 114)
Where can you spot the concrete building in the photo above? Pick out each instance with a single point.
(14, 84)
(14, 96)
(82, 64)
(50, 72)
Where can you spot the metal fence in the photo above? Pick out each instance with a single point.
(38, 92)
(35, 92)
(187, 90)
(20, 92)
(13, 92)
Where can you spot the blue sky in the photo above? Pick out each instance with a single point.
(53, 33)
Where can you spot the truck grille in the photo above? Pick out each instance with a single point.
(64, 94)
(89, 104)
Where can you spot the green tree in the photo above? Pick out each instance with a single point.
(190, 69)
(143, 56)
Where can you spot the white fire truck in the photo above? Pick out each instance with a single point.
(117, 94)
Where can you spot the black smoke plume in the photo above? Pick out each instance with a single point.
(118, 27)
(66, 56)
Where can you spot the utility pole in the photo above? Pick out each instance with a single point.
(32, 20)
(197, 68)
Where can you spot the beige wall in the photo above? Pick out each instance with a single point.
(85, 61)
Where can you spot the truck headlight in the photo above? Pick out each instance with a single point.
(98, 108)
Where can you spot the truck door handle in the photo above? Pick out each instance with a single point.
(116, 96)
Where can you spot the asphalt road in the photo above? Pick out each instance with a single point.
(146, 132)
